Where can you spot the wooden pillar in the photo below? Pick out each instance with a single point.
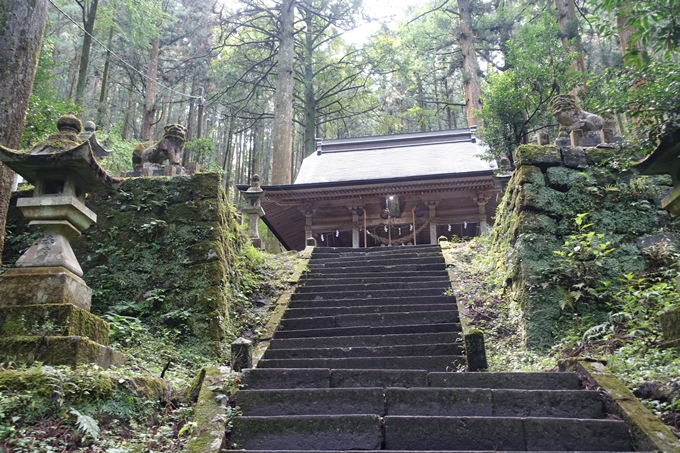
(481, 201)
(433, 221)
(355, 226)
(309, 213)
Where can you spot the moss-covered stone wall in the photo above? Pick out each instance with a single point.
(165, 250)
(548, 189)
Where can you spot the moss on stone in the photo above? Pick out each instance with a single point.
(597, 156)
(542, 199)
(51, 350)
(562, 178)
(209, 415)
(49, 320)
(541, 156)
(528, 174)
(670, 324)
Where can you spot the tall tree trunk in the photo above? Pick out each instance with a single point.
(20, 41)
(283, 99)
(308, 81)
(470, 77)
(421, 103)
(150, 92)
(89, 16)
(568, 23)
(101, 107)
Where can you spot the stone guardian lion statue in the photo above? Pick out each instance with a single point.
(169, 148)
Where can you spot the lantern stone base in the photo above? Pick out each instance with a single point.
(43, 285)
(54, 350)
(51, 320)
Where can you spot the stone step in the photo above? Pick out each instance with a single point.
(442, 284)
(370, 319)
(311, 401)
(369, 294)
(504, 433)
(423, 451)
(424, 277)
(359, 309)
(376, 276)
(368, 330)
(496, 402)
(429, 363)
(422, 402)
(525, 381)
(309, 432)
(315, 263)
(262, 378)
(376, 270)
(379, 351)
(373, 301)
(320, 252)
(368, 341)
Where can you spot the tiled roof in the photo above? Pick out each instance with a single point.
(395, 156)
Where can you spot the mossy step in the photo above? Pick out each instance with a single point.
(504, 433)
(374, 261)
(494, 402)
(377, 351)
(412, 317)
(311, 401)
(53, 350)
(424, 277)
(339, 432)
(397, 266)
(52, 320)
(368, 330)
(359, 309)
(527, 381)
(442, 284)
(373, 301)
(365, 341)
(369, 293)
(429, 363)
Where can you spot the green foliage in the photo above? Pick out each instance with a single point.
(45, 106)
(119, 161)
(86, 424)
(202, 150)
(517, 101)
(579, 259)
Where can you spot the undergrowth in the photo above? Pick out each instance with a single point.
(628, 341)
(59, 409)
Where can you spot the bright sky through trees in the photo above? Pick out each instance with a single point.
(380, 11)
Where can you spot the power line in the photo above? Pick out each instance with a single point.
(119, 57)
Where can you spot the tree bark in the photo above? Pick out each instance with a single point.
(283, 99)
(150, 92)
(568, 23)
(89, 16)
(470, 77)
(20, 41)
(308, 81)
(101, 107)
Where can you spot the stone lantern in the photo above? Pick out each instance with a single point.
(254, 196)
(44, 295)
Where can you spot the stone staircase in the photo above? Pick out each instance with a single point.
(362, 360)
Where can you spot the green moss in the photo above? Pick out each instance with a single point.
(542, 199)
(528, 174)
(70, 351)
(63, 319)
(562, 178)
(209, 415)
(542, 156)
(597, 156)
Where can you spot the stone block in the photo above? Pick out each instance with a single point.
(241, 354)
(51, 350)
(670, 324)
(541, 156)
(465, 433)
(562, 178)
(531, 222)
(209, 414)
(207, 251)
(529, 174)
(311, 401)
(52, 320)
(475, 351)
(546, 434)
(378, 378)
(597, 156)
(440, 402)
(43, 285)
(310, 432)
(527, 381)
(574, 157)
(542, 199)
(547, 403)
(260, 378)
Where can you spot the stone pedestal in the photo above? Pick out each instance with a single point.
(241, 354)
(43, 285)
(670, 327)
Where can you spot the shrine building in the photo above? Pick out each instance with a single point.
(387, 190)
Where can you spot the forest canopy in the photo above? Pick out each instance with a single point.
(134, 66)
